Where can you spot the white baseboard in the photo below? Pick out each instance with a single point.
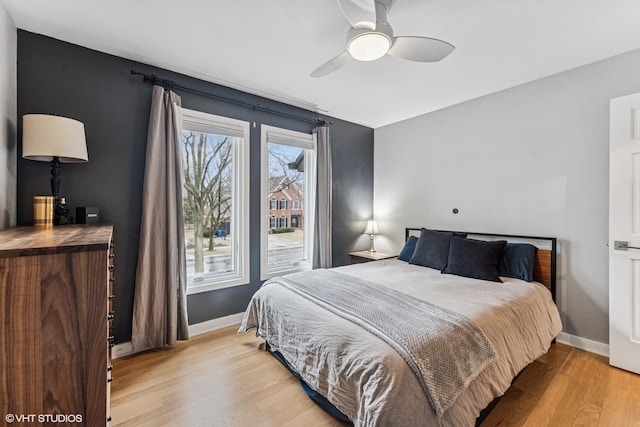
(121, 350)
(215, 324)
(125, 349)
(584, 344)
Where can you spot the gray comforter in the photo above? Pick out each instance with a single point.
(444, 349)
(367, 379)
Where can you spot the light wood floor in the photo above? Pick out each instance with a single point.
(224, 379)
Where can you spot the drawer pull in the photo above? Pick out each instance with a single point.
(112, 256)
(109, 419)
(111, 315)
(111, 267)
(112, 279)
(109, 368)
(109, 379)
(111, 297)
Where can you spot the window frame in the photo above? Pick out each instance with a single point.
(306, 141)
(199, 122)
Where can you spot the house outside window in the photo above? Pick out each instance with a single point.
(288, 180)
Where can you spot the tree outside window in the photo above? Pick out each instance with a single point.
(215, 156)
(207, 184)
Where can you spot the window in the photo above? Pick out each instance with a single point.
(288, 165)
(215, 157)
(296, 205)
(273, 204)
(272, 222)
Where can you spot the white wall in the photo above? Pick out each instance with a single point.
(8, 55)
(531, 160)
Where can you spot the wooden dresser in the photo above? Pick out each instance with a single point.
(55, 319)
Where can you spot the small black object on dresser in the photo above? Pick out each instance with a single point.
(87, 215)
(61, 214)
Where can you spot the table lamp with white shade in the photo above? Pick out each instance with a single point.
(371, 230)
(53, 139)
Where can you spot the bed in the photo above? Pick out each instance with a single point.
(454, 344)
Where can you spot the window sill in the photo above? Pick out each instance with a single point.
(208, 286)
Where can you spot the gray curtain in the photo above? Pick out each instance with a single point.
(322, 256)
(160, 302)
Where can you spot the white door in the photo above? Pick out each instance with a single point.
(624, 230)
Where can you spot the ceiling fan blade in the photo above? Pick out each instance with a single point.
(331, 65)
(420, 49)
(359, 13)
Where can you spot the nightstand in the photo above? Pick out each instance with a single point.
(366, 256)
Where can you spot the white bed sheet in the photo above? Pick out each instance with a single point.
(367, 380)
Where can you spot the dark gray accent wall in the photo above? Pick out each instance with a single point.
(97, 89)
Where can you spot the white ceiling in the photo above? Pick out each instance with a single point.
(269, 47)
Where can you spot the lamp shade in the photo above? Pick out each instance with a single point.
(45, 137)
(372, 227)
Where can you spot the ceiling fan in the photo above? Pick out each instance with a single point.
(371, 37)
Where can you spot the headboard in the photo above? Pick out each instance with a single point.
(544, 270)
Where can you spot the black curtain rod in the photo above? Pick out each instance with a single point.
(169, 84)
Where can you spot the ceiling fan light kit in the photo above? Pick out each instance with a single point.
(369, 46)
(371, 37)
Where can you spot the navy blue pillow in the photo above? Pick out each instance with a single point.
(517, 261)
(477, 259)
(432, 248)
(409, 248)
